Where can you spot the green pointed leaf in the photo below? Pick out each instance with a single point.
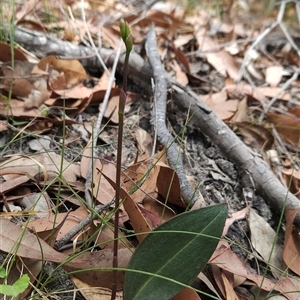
(176, 250)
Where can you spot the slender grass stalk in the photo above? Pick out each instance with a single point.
(127, 39)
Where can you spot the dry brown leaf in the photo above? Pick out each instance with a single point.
(274, 92)
(180, 74)
(28, 245)
(229, 290)
(171, 24)
(144, 142)
(112, 109)
(168, 186)
(183, 39)
(287, 126)
(94, 293)
(135, 173)
(138, 222)
(241, 113)
(262, 238)
(291, 249)
(16, 108)
(79, 91)
(27, 8)
(69, 33)
(110, 37)
(222, 107)
(222, 61)
(234, 217)
(14, 182)
(105, 239)
(158, 211)
(77, 23)
(137, 219)
(292, 180)
(295, 111)
(101, 89)
(182, 59)
(6, 54)
(292, 172)
(33, 165)
(129, 175)
(186, 294)
(99, 95)
(20, 80)
(3, 125)
(72, 69)
(256, 135)
(208, 283)
(226, 259)
(85, 102)
(102, 189)
(274, 75)
(32, 25)
(44, 227)
(259, 93)
(152, 217)
(101, 261)
(216, 271)
(161, 179)
(18, 193)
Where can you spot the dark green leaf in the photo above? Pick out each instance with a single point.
(176, 250)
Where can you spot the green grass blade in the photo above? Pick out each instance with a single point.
(177, 250)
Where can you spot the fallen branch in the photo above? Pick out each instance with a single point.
(160, 108)
(265, 182)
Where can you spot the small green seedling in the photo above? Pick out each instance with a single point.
(16, 288)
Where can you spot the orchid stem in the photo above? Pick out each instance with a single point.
(126, 36)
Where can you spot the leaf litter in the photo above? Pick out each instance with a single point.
(39, 98)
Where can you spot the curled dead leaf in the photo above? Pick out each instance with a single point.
(287, 126)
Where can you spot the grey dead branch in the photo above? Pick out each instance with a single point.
(160, 107)
(253, 168)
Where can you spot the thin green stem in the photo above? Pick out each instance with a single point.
(127, 39)
(122, 102)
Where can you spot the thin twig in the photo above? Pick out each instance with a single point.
(96, 132)
(87, 220)
(91, 40)
(283, 88)
(260, 38)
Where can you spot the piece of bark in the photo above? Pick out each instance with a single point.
(266, 184)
